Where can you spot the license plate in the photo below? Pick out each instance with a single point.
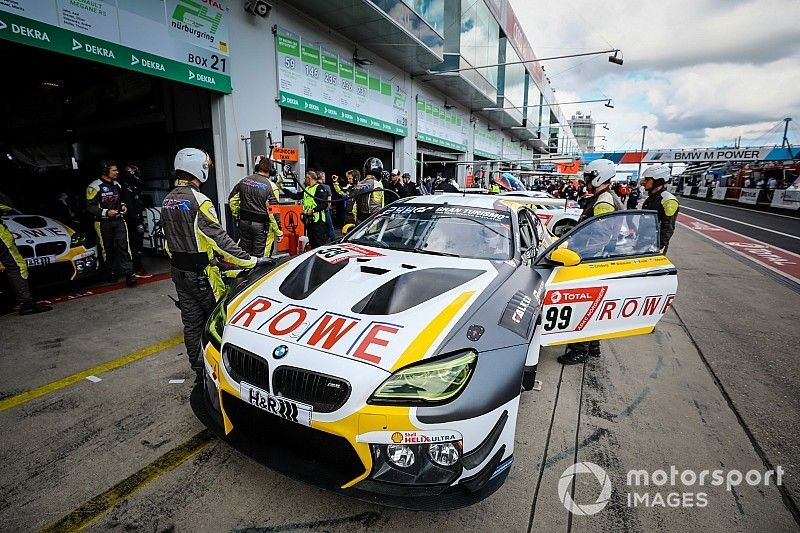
(41, 260)
(291, 410)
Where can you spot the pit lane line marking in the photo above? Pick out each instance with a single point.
(754, 259)
(93, 509)
(102, 289)
(24, 397)
(742, 223)
(770, 213)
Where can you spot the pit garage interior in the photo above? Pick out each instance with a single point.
(61, 116)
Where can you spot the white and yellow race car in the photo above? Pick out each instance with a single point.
(389, 365)
(53, 251)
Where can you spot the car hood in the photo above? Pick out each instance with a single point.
(382, 307)
(37, 229)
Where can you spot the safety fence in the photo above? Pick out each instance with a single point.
(778, 198)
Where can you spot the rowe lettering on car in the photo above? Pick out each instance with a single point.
(323, 330)
(631, 307)
(588, 303)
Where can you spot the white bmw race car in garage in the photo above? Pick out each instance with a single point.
(53, 251)
(389, 365)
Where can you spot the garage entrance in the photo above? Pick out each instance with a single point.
(61, 116)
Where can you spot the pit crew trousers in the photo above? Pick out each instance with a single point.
(196, 300)
(112, 236)
(317, 233)
(257, 238)
(15, 267)
(253, 237)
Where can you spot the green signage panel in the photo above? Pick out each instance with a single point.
(338, 90)
(198, 66)
(326, 110)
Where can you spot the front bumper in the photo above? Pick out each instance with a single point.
(78, 263)
(349, 455)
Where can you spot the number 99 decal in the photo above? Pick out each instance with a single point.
(555, 318)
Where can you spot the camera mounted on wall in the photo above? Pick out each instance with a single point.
(258, 7)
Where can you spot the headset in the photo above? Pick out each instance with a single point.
(105, 167)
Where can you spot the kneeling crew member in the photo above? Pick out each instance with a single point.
(598, 175)
(250, 202)
(193, 238)
(662, 201)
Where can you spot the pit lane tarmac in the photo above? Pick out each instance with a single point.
(124, 451)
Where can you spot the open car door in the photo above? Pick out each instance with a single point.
(619, 284)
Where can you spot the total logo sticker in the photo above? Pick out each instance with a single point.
(573, 296)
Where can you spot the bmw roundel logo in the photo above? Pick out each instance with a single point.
(280, 351)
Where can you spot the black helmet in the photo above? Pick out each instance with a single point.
(132, 174)
(373, 166)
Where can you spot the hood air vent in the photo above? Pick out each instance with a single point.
(411, 289)
(309, 276)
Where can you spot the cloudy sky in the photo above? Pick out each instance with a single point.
(698, 73)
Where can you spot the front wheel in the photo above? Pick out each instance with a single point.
(529, 378)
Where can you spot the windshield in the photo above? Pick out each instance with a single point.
(446, 230)
(510, 182)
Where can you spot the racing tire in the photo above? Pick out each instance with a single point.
(211, 402)
(529, 378)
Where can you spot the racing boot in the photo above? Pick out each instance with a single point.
(594, 348)
(33, 308)
(574, 356)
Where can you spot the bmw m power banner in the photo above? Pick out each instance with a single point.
(319, 80)
(181, 40)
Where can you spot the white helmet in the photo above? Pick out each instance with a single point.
(193, 161)
(657, 172)
(600, 171)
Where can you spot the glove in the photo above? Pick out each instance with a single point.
(264, 261)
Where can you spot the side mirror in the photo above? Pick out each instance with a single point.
(347, 228)
(565, 257)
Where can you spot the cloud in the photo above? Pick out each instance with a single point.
(696, 72)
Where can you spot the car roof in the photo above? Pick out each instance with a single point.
(469, 200)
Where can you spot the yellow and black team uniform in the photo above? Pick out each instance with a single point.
(112, 232)
(194, 238)
(16, 269)
(251, 201)
(315, 204)
(366, 202)
(667, 207)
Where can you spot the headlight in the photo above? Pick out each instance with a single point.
(77, 239)
(216, 323)
(436, 381)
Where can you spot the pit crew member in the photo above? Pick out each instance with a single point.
(104, 203)
(598, 175)
(662, 201)
(17, 270)
(250, 202)
(193, 238)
